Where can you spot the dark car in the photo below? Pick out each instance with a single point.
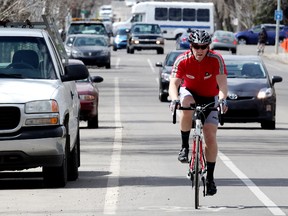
(120, 39)
(182, 41)
(89, 100)
(165, 72)
(91, 49)
(224, 40)
(145, 36)
(251, 95)
(250, 36)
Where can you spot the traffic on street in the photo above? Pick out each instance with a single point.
(129, 163)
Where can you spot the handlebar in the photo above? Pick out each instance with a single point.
(200, 108)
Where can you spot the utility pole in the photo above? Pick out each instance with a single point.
(278, 17)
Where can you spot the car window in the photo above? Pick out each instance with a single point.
(121, 32)
(245, 70)
(86, 41)
(171, 58)
(87, 28)
(26, 58)
(146, 29)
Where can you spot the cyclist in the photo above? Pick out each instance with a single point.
(262, 38)
(202, 77)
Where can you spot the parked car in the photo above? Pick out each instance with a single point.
(250, 36)
(182, 41)
(120, 39)
(91, 49)
(39, 106)
(165, 69)
(251, 95)
(145, 36)
(224, 40)
(89, 100)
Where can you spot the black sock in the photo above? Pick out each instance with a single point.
(210, 170)
(185, 139)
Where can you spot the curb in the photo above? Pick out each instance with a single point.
(281, 57)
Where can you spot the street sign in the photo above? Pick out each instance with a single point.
(278, 15)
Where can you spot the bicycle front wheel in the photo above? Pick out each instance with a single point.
(197, 172)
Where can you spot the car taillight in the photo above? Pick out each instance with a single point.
(215, 40)
(235, 42)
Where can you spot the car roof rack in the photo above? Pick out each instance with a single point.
(47, 24)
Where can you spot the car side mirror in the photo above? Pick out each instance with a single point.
(276, 79)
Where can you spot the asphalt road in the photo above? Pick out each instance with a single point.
(129, 164)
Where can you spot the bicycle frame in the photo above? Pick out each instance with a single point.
(197, 162)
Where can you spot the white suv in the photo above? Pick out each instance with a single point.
(39, 106)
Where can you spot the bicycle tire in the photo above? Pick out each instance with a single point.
(197, 172)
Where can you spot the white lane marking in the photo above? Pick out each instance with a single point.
(112, 192)
(151, 66)
(275, 210)
(117, 63)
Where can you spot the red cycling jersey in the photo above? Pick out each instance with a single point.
(199, 77)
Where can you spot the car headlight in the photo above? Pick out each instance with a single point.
(265, 93)
(76, 53)
(160, 40)
(45, 112)
(104, 52)
(117, 40)
(135, 40)
(165, 76)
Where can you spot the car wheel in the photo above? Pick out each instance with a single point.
(233, 51)
(57, 176)
(114, 48)
(108, 65)
(131, 51)
(269, 125)
(73, 160)
(160, 51)
(242, 41)
(93, 122)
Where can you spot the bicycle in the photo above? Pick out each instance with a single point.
(197, 162)
(260, 49)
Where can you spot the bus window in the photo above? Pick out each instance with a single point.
(175, 14)
(161, 14)
(189, 14)
(137, 18)
(203, 15)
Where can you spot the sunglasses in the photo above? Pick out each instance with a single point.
(202, 47)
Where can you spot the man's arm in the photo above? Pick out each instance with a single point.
(223, 87)
(173, 88)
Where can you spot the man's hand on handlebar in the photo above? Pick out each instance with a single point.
(223, 106)
(173, 105)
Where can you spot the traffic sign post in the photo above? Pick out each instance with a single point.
(278, 15)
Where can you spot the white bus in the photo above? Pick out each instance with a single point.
(174, 17)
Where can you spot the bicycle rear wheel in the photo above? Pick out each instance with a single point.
(197, 173)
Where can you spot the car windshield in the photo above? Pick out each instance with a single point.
(171, 58)
(26, 58)
(90, 41)
(121, 32)
(146, 29)
(87, 28)
(250, 70)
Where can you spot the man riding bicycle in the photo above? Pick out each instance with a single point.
(202, 75)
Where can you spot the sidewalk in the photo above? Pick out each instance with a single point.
(281, 56)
